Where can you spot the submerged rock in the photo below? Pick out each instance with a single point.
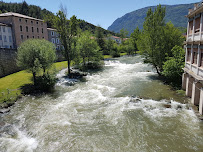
(167, 105)
(4, 110)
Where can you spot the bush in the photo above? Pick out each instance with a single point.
(46, 82)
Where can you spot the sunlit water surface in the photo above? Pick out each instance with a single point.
(120, 108)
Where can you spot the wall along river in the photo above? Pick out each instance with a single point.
(120, 108)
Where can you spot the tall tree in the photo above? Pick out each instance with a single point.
(123, 33)
(100, 38)
(134, 37)
(62, 26)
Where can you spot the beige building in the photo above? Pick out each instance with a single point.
(193, 71)
(24, 27)
(6, 38)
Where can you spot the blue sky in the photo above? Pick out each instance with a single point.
(100, 12)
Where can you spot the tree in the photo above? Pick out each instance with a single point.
(88, 48)
(157, 39)
(173, 67)
(123, 33)
(134, 37)
(35, 54)
(100, 38)
(63, 28)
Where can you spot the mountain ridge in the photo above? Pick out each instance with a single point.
(129, 21)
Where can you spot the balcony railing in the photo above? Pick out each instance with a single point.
(196, 6)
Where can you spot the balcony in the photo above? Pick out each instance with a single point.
(196, 6)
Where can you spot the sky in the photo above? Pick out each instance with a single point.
(100, 12)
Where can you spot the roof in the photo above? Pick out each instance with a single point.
(116, 37)
(51, 29)
(3, 24)
(18, 15)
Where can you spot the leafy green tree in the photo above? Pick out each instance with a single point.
(100, 38)
(134, 37)
(172, 68)
(35, 54)
(88, 48)
(62, 26)
(128, 46)
(157, 39)
(109, 46)
(123, 33)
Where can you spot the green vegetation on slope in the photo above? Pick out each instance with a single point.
(174, 13)
(37, 12)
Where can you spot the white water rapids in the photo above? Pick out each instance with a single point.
(120, 108)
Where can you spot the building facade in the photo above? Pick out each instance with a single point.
(53, 37)
(193, 71)
(6, 38)
(24, 27)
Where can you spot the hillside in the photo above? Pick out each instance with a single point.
(37, 12)
(174, 13)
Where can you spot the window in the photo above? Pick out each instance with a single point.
(4, 29)
(5, 39)
(37, 30)
(195, 56)
(58, 47)
(20, 20)
(42, 24)
(26, 21)
(31, 22)
(52, 33)
(53, 40)
(190, 27)
(32, 29)
(21, 37)
(188, 55)
(33, 37)
(21, 28)
(9, 30)
(37, 22)
(27, 36)
(42, 30)
(26, 28)
(57, 41)
(0, 37)
(201, 63)
(38, 37)
(10, 39)
(197, 25)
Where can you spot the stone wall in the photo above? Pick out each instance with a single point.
(8, 61)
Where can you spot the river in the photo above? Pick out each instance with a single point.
(120, 108)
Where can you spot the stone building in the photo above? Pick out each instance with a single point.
(193, 71)
(24, 27)
(6, 38)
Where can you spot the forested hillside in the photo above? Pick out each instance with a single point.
(37, 12)
(174, 13)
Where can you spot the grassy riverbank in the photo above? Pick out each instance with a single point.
(11, 84)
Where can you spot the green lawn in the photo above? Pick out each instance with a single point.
(9, 85)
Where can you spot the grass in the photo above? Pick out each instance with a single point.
(9, 85)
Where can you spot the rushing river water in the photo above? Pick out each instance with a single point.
(120, 108)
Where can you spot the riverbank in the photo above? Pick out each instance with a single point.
(10, 85)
